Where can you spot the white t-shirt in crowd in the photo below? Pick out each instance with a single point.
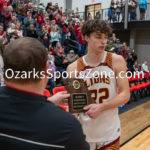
(145, 68)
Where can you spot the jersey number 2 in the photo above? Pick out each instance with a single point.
(100, 91)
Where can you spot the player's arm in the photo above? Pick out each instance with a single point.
(122, 84)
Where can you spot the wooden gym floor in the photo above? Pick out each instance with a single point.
(140, 142)
(132, 122)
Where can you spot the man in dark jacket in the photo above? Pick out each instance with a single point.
(27, 21)
(31, 32)
(27, 119)
(60, 61)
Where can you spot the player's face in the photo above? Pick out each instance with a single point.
(97, 41)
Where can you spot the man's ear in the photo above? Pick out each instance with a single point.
(46, 68)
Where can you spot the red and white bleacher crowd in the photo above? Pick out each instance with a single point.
(60, 33)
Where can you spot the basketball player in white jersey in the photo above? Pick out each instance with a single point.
(102, 130)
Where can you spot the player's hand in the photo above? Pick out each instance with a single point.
(93, 110)
(60, 98)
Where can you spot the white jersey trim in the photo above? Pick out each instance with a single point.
(84, 61)
(103, 60)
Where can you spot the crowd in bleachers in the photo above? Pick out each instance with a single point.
(114, 45)
(59, 32)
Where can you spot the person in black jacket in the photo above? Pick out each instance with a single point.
(71, 31)
(31, 32)
(28, 120)
(131, 60)
(60, 61)
(44, 36)
(63, 26)
(27, 21)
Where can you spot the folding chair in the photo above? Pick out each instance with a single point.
(47, 93)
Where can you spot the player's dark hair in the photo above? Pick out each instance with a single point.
(96, 25)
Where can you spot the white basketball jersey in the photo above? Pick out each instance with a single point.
(102, 84)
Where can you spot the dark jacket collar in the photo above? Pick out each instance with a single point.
(20, 93)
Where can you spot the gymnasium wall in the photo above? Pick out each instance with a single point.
(142, 45)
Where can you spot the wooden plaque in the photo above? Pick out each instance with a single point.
(80, 96)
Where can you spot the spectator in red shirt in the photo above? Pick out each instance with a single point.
(82, 43)
(1, 9)
(61, 11)
(124, 51)
(80, 40)
(76, 29)
(51, 49)
(57, 18)
(7, 16)
(39, 20)
(63, 26)
(6, 3)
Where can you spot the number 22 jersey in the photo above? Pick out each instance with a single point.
(101, 82)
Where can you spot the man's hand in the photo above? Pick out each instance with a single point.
(65, 61)
(93, 110)
(60, 98)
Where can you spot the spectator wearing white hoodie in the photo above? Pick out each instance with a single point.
(145, 67)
